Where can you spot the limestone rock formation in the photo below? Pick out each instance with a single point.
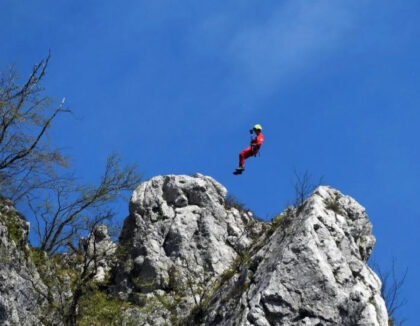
(181, 235)
(21, 301)
(101, 246)
(310, 272)
(189, 256)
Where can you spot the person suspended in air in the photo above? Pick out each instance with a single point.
(252, 150)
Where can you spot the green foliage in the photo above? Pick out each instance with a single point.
(53, 273)
(59, 274)
(244, 267)
(300, 208)
(170, 302)
(198, 312)
(121, 251)
(5, 257)
(227, 274)
(101, 309)
(277, 222)
(14, 229)
(143, 285)
(175, 285)
(39, 258)
(52, 264)
(196, 315)
(148, 305)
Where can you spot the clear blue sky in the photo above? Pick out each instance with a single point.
(175, 86)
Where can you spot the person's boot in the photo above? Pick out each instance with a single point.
(239, 170)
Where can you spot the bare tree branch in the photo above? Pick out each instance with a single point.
(26, 159)
(391, 291)
(79, 206)
(303, 186)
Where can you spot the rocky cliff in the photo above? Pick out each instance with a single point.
(311, 271)
(21, 290)
(180, 237)
(189, 255)
(193, 259)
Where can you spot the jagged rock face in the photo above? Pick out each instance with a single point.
(181, 234)
(187, 256)
(311, 271)
(20, 285)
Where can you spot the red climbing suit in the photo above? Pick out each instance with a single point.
(251, 150)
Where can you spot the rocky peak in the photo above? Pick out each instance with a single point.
(311, 271)
(180, 236)
(189, 256)
(308, 267)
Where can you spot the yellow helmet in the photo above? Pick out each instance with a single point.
(257, 127)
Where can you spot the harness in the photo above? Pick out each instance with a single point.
(252, 139)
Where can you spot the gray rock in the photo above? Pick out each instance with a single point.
(21, 299)
(180, 237)
(311, 271)
(101, 246)
(188, 256)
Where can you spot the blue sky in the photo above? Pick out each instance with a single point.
(175, 86)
